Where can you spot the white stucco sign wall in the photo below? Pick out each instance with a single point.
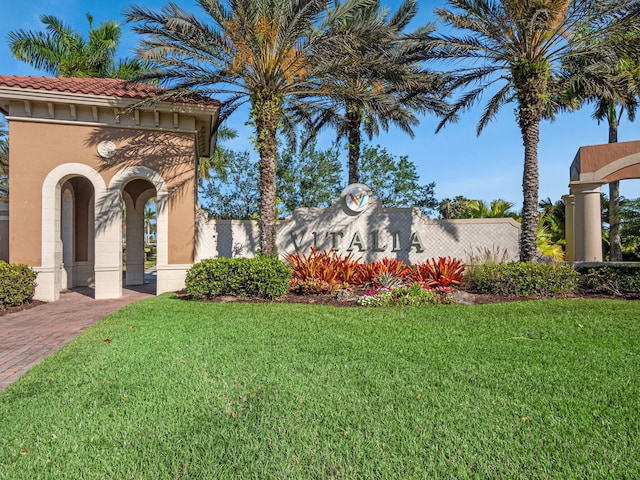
(371, 233)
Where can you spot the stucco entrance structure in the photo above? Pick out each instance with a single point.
(594, 166)
(78, 152)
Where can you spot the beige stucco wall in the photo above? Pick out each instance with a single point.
(37, 148)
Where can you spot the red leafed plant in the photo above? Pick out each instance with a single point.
(368, 272)
(440, 272)
(326, 266)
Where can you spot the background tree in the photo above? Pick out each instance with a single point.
(253, 51)
(394, 181)
(514, 50)
(149, 224)
(235, 195)
(312, 178)
(551, 229)
(497, 208)
(60, 51)
(462, 207)
(630, 228)
(375, 83)
(454, 208)
(309, 178)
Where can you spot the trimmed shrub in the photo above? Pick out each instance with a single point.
(17, 284)
(264, 276)
(524, 279)
(610, 279)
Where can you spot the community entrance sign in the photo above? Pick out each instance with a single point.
(357, 224)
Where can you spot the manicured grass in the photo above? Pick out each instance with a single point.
(544, 389)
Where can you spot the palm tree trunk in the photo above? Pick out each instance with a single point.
(530, 187)
(353, 122)
(615, 242)
(266, 111)
(531, 82)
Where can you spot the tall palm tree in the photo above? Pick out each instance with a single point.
(612, 112)
(255, 51)
(383, 84)
(513, 50)
(613, 91)
(149, 223)
(61, 51)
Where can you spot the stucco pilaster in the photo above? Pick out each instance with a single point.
(587, 222)
(569, 227)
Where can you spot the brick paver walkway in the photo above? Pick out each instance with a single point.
(29, 336)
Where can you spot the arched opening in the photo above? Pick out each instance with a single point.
(76, 262)
(139, 200)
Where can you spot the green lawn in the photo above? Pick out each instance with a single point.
(543, 389)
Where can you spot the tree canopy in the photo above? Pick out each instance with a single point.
(515, 51)
(61, 51)
(245, 51)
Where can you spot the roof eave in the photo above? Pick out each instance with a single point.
(20, 94)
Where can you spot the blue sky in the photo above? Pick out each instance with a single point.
(461, 163)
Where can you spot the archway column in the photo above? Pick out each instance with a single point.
(108, 245)
(135, 245)
(587, 230)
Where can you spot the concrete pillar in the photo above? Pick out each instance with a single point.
(108, 245)
(569, 227)
(587, 222)
(135, 244)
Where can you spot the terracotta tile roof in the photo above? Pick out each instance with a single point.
(108, 87)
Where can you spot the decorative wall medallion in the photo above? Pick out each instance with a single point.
(357, 197)
(107, 149)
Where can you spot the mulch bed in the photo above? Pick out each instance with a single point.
(19, 308)
(332, 300)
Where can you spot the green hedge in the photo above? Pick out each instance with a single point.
(525, 279)
(263, 276)
(610, 279)
(17, 284)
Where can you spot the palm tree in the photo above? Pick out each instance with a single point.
(255, 51)
(613, 91)
(383, 84)
(149, 223)
(514, 51)
(61, 51)
(612, 112)
(551, 229)
(497, 208)
(218, 160)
